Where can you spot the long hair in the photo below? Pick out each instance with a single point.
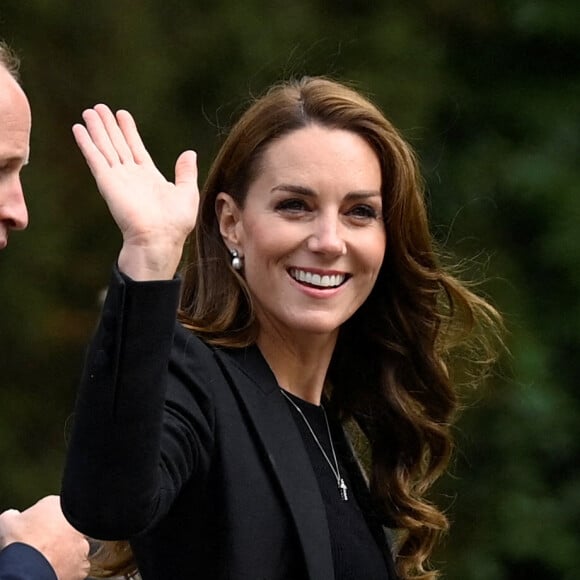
(216, 301)
(392, 372)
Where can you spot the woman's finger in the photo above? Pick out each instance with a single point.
(99, 135)
(95, 159)
(186, 170)
(131, 136)
(116, 137)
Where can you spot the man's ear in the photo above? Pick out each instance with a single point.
(229, 219)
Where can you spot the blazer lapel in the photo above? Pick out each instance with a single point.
(257, 389)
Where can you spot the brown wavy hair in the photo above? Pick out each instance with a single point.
(394, 370)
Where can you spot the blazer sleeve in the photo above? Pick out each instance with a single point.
(22, 562)
(142, 423)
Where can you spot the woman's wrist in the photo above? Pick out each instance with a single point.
(147, 263)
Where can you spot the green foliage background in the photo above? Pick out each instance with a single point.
(488, 92)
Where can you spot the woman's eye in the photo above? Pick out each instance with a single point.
(364, 212)
(292, 205)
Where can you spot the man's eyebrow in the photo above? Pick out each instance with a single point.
(308, 192)
(15, 160)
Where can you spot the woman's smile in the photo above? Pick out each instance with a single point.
(312, 278)
(311, 231)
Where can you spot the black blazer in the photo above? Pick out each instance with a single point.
(197, 460)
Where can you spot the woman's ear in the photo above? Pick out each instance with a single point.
(229, 218)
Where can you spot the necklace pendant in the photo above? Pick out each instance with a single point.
(343, 490)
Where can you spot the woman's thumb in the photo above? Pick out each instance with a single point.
(186, 169)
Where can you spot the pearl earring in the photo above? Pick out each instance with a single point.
(237, 263)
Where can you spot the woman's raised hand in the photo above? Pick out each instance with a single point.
(154, 215)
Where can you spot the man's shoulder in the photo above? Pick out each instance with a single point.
(23, 562)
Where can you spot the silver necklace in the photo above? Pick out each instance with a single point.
(343, 490)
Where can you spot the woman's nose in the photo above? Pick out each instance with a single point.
(327, 236)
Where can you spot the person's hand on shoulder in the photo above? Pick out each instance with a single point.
(154, 215)
(44, 527)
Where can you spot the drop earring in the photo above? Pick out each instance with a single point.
(237, 262)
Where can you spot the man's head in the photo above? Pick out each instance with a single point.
(15, 124)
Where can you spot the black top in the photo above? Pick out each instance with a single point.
(192, 453)
(355, 552)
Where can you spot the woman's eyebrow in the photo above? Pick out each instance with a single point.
(364, 194)
(308, 192)
(300, 189)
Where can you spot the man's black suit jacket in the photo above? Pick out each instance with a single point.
(197, 460)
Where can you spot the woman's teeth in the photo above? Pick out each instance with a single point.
(311, 279)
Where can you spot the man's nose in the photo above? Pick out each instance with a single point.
(13, 211)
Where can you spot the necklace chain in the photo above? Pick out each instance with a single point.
(335, 469)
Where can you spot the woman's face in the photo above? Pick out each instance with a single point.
(311, 232)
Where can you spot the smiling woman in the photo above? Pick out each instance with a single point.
(312, 298)
(304, 219)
